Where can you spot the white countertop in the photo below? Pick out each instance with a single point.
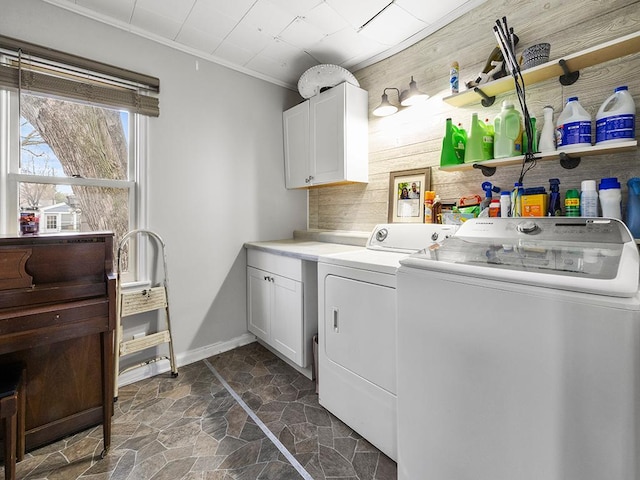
(302, 249)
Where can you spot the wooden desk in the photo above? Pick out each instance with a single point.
(57, 315)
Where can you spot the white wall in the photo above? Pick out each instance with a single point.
(216, 168)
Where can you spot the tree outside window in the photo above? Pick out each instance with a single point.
(74, 158)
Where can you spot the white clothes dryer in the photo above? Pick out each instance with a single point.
(357, 329)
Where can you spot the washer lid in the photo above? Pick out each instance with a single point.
(595, 255)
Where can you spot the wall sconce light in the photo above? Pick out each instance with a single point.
(385, 108)
(406, 99)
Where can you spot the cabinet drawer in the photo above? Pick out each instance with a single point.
(278, 264)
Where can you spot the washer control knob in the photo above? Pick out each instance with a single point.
(527, 227)
(381, 234)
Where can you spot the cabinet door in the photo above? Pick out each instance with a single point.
(259, 303)
(286, 322)
(326, 117)
(296, 146)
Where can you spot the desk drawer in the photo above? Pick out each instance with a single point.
(31, 327)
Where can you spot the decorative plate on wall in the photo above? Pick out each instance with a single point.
(323, 76)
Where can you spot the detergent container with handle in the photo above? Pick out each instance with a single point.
(573, 128)
(616, 118)
(508, 132)
(476, 149)
(453, 145)
(632, 215)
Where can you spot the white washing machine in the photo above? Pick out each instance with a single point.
(357, 329)
(519, 353)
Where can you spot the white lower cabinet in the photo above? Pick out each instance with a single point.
(281, 301)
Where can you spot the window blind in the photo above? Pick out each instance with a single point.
(42, 70)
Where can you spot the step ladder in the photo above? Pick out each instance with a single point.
(135, 301)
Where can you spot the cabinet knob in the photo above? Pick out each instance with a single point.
(56, 316)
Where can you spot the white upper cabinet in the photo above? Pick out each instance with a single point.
(326, 139)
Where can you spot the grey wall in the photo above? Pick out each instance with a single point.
(216, 175)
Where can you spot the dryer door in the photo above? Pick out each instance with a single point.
(360, 329)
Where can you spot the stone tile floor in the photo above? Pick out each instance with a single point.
(194, 428)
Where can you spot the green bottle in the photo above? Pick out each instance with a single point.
(459, 142)
(451, 154)
(572, 203)
(477, 149)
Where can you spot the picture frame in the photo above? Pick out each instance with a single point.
(406, 195)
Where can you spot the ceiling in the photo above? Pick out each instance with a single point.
(278, 40)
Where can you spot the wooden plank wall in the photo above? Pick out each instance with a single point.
(412, 137)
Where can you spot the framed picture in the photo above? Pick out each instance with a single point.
(406, 195)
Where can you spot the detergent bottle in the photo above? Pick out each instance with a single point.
(616, 118)
(488, 140)
(574, 126)
(460, 142)
(632, 215)
(508, 128)
(476, 150)
(610, 197)
(449, 154)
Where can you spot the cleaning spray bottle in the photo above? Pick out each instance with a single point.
(555, 204)
(488, 188)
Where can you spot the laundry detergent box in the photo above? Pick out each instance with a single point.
(534, 202)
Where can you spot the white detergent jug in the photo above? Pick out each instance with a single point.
(574, 126)
(616, 118)
(508, 132)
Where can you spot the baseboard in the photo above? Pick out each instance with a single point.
(147, 371)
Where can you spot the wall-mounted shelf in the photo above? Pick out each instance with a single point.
(574, 153)
(592, 56)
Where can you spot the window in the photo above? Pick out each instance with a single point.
(70, 149)
(51, 223)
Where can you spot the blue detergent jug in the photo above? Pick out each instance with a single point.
(632, 216)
